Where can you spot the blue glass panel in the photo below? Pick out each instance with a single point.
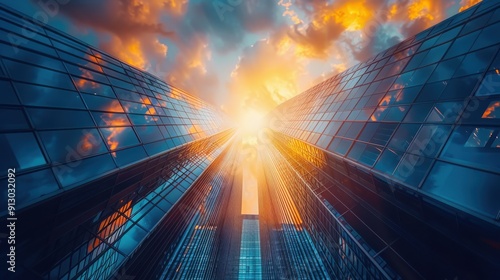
(364, 153)
(119, 137)
(429, 140)
(377, 133)
(37, 75)
(460, 88)
(31, 186)
(473, 189)
(164, 205)
(412, 169)
(476, 23)
(49, 97)
(431, 91)
(435, 54)
(474, 146)
(403, 136)
(72, 145)
(421, 75)
(127, 156)
(155, 148)
(82, 72)
(388, 161)
(476, 62)
(110, 119)
(418, 112)
(7, 94)
(174, 196)
(20, 151)
(130, 240)
(102, 103)
(83, 170)
(446, 112)
(15, 117)
(487, 37)
(340, 146)
(448, 35)
(88, 62)
(462, 45)
(50, 118)
(490, 85)
(35, 58)
(128, 95)
(148, 133)
(445, 69)
(94, 88)
(395, 113)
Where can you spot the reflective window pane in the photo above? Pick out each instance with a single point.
(20, 151)
(83, 170)
(395, 113)
(118, 137)
(340, 146)
(445, 69)
(429, 140)
(15, 117)
(50, 118)
(490, 85)
(148, 133)
(94, 88)
(462, 45)
(128, 156)
(403, 136)
(472, 189)
(102, 103)
(38, 75)
(487, 37)
(474, 146)
(32, 186)
(7, 94)
(377, 133)
(364, 153)
(460, 88)
(70, 145)
(48, 97)
(445, 112)
(475, 62)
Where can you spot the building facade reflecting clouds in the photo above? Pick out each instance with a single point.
(388, 170)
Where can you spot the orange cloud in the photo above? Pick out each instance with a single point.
(265, 76)
(129, 28)
(465, 4)
(420, 9)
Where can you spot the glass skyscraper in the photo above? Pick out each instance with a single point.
(388, 170)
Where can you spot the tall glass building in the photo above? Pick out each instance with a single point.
(388, 170)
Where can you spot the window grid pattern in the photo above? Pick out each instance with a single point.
(424, 109)
(75, 108)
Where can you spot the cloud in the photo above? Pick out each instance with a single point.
(227, 24)
(465, 4)
(266, 74)
(127, 29)
(363, 27)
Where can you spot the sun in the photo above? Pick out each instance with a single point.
(251, 121)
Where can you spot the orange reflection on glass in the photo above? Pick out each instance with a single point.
(196, 129)
(175, 95)
(87, 142)
(146, 100)
(386, 100)
(82, 83)
(116, 122)
(491, 112)
(108, 226)
(377, 115)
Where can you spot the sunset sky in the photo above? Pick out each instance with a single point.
(241, 54)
